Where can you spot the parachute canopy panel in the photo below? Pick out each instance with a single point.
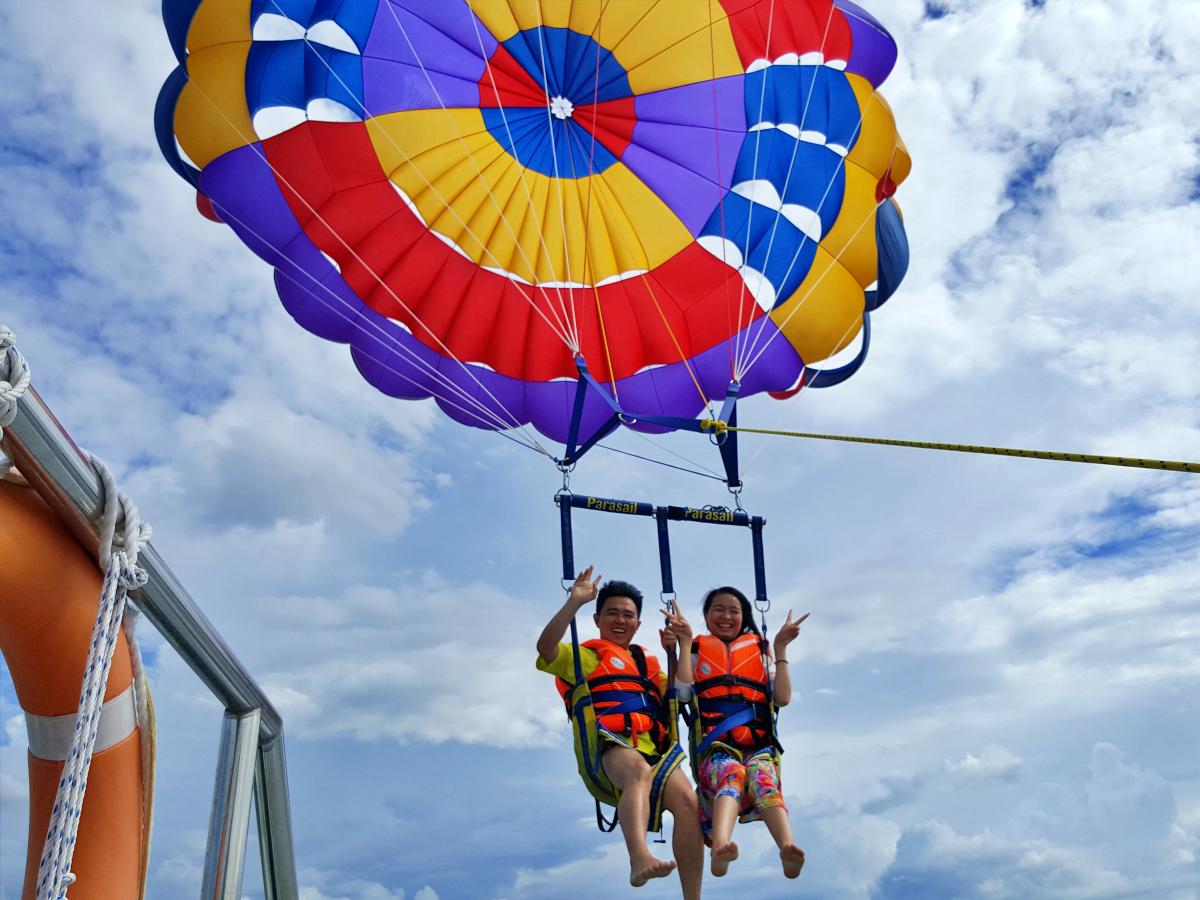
(474, 194)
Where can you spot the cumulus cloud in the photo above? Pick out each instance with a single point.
(1116, 831)
(993, 762)
(373, 664)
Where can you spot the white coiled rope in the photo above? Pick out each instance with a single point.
(118, 558)
(14, 376)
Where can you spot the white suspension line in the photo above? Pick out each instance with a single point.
(762, 99)
(778, 331)
(565, 333)
(559, 328)
(664, 449)
(253, 145)
(557, 178)
(524, 184)
(762, 438)
(804, 242)
(387, 342)
(788, 177)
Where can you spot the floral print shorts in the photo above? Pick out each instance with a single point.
(753, 781)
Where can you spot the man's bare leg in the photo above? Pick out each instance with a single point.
(724, 850)
(630, 774)
(792, 856)
(687, 841)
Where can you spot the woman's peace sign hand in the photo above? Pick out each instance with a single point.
(788, 632)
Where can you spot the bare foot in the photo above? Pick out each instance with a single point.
(793, 860)
(641, 872)
(722, 856)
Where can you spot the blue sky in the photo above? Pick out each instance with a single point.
(997, 689)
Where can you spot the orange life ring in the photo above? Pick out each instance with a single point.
(48, 600)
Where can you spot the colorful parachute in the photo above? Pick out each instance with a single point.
(476, 194)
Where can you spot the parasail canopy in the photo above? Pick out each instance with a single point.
(476, 195)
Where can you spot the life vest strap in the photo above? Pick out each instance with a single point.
(729, 681)
(626, 702)
(747, 716)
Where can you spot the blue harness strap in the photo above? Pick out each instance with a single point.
(745, 716)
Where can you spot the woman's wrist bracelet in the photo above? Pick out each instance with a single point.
(781, 662)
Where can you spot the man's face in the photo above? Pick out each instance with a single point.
(618, 620)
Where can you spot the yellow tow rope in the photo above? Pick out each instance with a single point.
(719, 427)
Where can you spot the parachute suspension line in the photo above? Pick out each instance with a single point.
(743, 315)
(788, 177)
(870, 215)
(562, 214)
(559, 328)
(1089, 458)
(567, 336)
(837, 258)
(696, 471)
(805, 383)
(524, 183)
(623, 237)
(388, 342)
(118, 558)
(252, 142)
(589, 277)
(716, 130)
(674, 340)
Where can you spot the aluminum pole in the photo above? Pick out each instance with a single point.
(228, 828)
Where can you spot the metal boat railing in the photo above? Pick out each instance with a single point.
(251, 758)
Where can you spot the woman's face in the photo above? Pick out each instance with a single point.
(724, 617)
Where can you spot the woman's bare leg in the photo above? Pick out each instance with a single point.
(724, 850)
(630, 774)
(792, 856)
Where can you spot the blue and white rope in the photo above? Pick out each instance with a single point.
(14, 376)
(118, 557)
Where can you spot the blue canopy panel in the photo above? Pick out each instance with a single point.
(565, 64)
(892, 241)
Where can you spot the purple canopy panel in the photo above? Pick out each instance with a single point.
(244, 193)
(452, 59)
(394, 361)
(676, 151)
(873, 50)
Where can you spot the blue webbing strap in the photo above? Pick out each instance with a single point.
(746, 716)
(568, 542)
(664, 550)
(600, 434)
(760, 565)
(727, 443)
(576, 411)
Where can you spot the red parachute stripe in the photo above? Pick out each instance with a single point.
(793, 28)
(679, 308)
(514, 85)
(612, 122)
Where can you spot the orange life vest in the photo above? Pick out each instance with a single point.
(731, 679)
(625, 691)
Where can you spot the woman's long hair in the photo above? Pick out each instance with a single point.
(747, 612)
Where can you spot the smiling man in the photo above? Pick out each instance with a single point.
(629, 690)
